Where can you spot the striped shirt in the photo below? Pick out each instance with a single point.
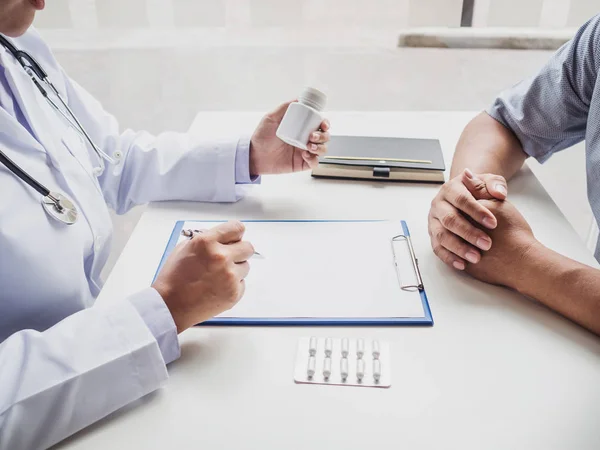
(560, 106)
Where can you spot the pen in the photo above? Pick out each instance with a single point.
(383, 160)
(190, 234)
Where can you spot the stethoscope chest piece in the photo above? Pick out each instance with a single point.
(60, 207)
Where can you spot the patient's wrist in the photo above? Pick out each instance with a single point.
(533, 265)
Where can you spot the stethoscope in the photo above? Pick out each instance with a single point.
(57, 205)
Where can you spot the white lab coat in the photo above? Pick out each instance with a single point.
(63, 363)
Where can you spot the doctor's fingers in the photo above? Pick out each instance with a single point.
(240, 251)
(225, 233)
(317, 149)
(242, 270)
(241, 290)
(319, 137)
(310, 160)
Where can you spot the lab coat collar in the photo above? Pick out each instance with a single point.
(33, 105)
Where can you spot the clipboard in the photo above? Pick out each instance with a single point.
(402, 240)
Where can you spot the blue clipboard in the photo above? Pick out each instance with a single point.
(426, 320)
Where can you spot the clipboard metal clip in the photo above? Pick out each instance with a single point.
(408, 287)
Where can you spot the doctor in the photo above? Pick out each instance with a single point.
(65, 363)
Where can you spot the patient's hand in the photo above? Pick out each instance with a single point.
(512, 238)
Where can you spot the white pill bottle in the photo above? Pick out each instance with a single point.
(302, 118)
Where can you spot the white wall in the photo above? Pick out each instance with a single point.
(533, 13)
(91, 15)
(102, 14)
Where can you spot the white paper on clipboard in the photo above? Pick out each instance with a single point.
(326, 270)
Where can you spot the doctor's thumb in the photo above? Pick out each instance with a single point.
(278, 113)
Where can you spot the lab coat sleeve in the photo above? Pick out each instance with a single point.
(169, 166)
(56, 382)
(155, 313)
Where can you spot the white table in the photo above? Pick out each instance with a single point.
(495, 372)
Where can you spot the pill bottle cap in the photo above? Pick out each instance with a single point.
(314, 98)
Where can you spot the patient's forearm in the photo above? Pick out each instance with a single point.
(487, 146)
(566, 286)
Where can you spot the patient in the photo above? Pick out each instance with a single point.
(472, 225)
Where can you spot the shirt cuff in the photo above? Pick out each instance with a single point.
(242, 163)
(154, 312)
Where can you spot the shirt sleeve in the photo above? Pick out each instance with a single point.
(59, 381)
(548, 111)
(242, 164)
(153, 310)
(166, 166)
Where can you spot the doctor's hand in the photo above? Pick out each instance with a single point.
(504, 264)
(454, 213)
(204, 276)
(270, 155)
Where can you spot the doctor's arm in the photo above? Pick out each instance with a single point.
(56, 382)
(168, 166)
(185, 166)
